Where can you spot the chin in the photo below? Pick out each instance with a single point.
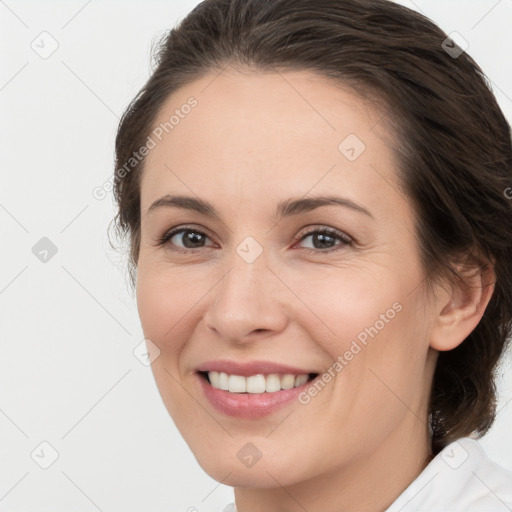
(227, 465)
(234, 474)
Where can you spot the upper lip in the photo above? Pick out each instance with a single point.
(247, 369)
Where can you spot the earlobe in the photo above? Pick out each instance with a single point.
(460, 308)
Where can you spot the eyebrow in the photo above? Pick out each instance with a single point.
(284, 208)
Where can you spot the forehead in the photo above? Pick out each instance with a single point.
(261, 134)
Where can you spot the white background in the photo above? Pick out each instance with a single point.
(68, 327)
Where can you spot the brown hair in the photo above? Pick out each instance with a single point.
(451, 142)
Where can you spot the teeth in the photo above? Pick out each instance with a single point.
(301, 380)
(237, 384)
(214, 379)
(287, 381)
(272, 383)
(223, 381)
(256, 383)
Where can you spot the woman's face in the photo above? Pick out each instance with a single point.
(254, 287)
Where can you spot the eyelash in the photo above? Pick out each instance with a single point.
(345, 239)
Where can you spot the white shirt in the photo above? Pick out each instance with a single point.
(460, 478)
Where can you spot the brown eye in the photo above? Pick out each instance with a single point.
(326, 240)
(183, 239)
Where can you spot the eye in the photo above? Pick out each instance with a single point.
(184, 239)
(324, 240)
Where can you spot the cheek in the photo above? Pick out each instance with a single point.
(165, 308)
(165, 304)
(375, 335)
(382, 366)
(348, 305)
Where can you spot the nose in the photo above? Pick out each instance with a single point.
(247, 304)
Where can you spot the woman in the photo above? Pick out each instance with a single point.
(315, 196)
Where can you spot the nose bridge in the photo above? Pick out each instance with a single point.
(249, 269)
(245, 300)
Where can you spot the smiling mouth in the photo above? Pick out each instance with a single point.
(256, 384)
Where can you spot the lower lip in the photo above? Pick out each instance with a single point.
(249, 405)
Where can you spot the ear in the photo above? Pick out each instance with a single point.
(460, 305)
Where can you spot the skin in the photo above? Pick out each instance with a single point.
(253, 140)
